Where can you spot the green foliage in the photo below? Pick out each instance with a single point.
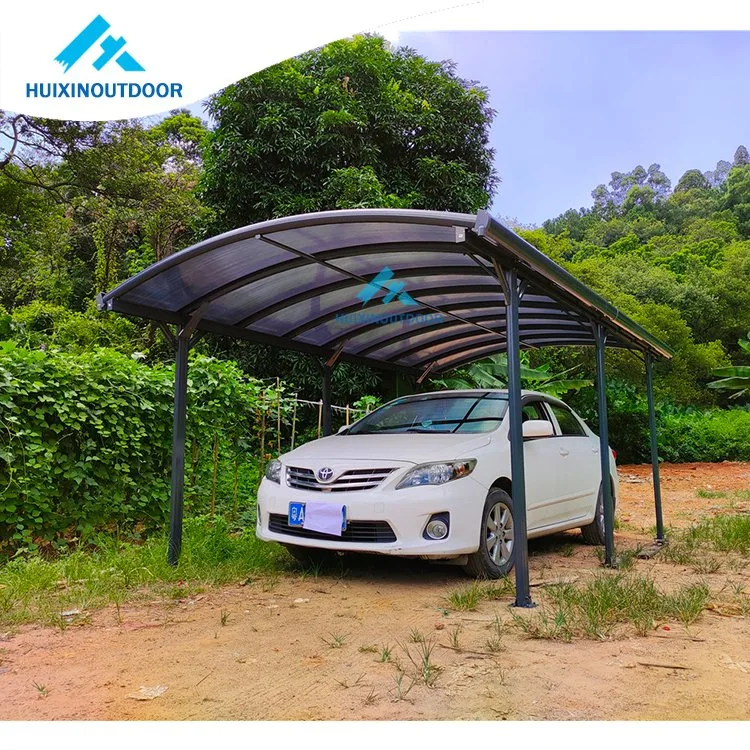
(493, 373)
(351, 124)
(735, 378)
(717, 435)
(85, 442)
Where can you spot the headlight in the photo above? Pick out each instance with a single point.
(273, 471)
(437, 473)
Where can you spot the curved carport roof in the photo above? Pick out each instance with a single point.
(416, 291)
(400, 289)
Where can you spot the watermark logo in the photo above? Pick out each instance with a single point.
(108, 49)
(394, 289)
(109, 45)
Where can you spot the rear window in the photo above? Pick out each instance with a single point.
(436, 413)
(569, 424)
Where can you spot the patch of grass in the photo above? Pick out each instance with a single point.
(385, 653)
(368, 649)
(426, 670)
(698, 546)
(34, 589)
(336, 640)
(415, 636)
(224, 617)
(42, 690)
(606, 603)
(495, 642)
(371, 698)
(453, 636)
(468, 597)
(710, 494)
(402, 692)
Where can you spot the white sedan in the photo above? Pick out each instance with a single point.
(429, 476)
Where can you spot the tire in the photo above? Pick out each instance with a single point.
(495, 556)
(309, 556)
(593, 533)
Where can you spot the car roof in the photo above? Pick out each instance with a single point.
(482, 391)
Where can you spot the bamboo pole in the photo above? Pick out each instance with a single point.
(294, 420)
(213, 484)
(320, 416)
(347, 415)
(278, 417)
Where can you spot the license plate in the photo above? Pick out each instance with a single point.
(297, 515)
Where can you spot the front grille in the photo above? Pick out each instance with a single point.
(348, 481)
(368, 532)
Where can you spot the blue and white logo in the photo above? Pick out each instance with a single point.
(112, 49)
(394, 289)
(107, 49)
(325, 474)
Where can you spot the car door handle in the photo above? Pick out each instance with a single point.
(595, 450)
(564, 452)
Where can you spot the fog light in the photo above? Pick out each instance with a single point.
(437, 528)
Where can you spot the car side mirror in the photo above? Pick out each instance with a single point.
(536, 428)
(341, 430)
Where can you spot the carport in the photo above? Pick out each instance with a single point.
(420, 292)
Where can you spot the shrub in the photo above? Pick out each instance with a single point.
(85, 442)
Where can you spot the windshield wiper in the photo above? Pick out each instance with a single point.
(427, 430)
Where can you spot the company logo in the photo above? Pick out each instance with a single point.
(394, 289)
(109, 45)
(107, 49)
(325, 474)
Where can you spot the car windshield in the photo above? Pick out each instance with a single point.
(436, 413)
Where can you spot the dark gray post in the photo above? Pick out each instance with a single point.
(601, 384)
(518, 476)
(654, 450)
(327, 371)
(178, 447)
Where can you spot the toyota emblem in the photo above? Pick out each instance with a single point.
(325, 474)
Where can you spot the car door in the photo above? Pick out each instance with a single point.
(543, 464)
(579, 474)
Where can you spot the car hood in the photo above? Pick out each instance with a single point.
(402, 448)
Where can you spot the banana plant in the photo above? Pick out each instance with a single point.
(493, 373)
(736, 377)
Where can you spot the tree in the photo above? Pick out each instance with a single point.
(741, 157)
(693, 179)
(352, 124)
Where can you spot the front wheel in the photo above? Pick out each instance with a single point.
(496, 553)
(593, 533)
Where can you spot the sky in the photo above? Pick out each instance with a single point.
(572, 107)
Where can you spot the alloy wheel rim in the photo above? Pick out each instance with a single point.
(499, 533)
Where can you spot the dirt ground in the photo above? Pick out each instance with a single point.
(307, 647)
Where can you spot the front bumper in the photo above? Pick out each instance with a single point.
(405, 511)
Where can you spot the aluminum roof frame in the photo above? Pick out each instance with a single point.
(293, 282)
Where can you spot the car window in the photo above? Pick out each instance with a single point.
(446, 413)
(534, 410)
(569, 424)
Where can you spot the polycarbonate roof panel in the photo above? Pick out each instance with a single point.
(396, 288)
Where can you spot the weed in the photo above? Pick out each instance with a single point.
(426, 670)
(337, 640)
(495, 643)
(402, 692)
(710, 494)
(385, 653)
(42, 690)
(368, 649)
(415, 636)
(453, 634)
(371, 698)
(224, 617)
(566, 550)
(346, 686)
